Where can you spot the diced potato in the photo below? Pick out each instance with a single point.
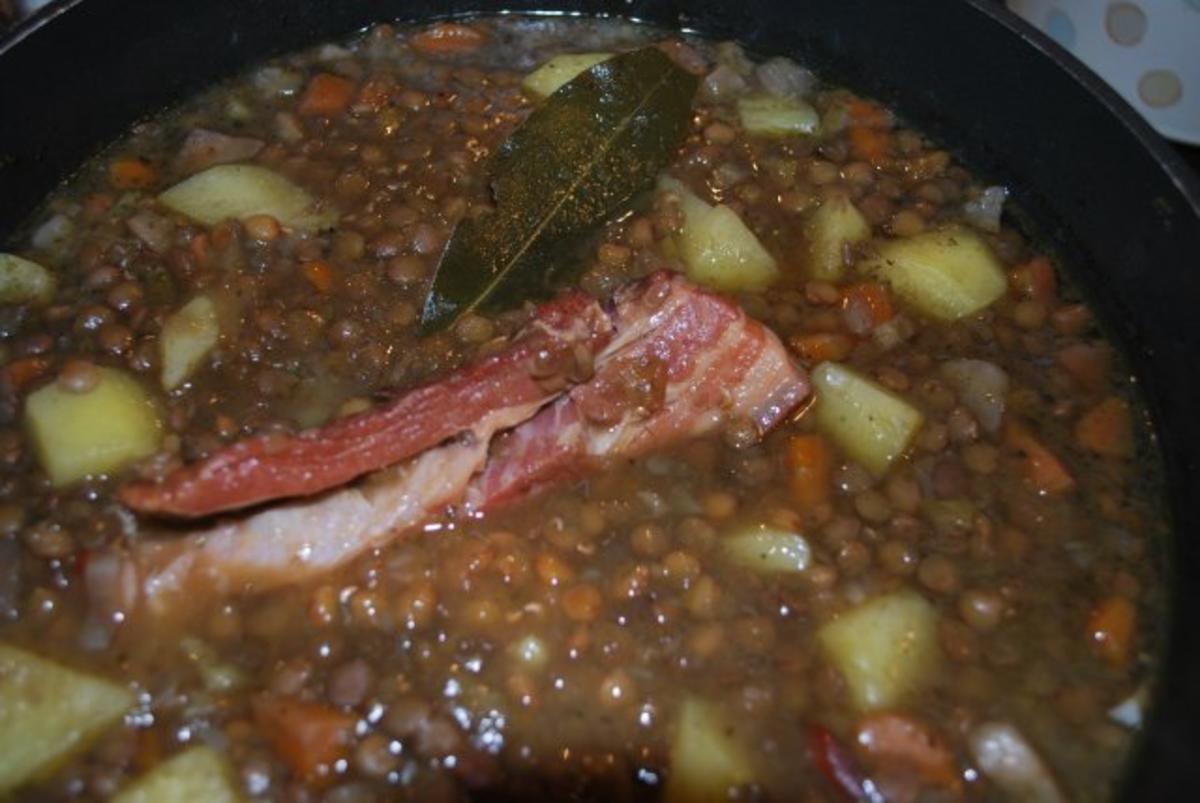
(831, 227)
(770, 116)
(886, 648)
(706, 759)
(241, 191)
(768, 549)
(871, 424)
(546, 79)
(22, 281)
(187, 338)
(948, 274)
(196, 774)
(49, 712)
(717, 248)
(96, 432)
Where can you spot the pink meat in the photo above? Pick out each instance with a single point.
(491, 394)
(681, 362)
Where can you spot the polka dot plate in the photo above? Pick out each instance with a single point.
(1148, 50)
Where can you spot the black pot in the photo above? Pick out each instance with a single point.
(1105, 192)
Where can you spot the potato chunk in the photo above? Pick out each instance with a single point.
(48, 712)
(771, 116)
(241, 191)
(872, 425)
(833, 225)
(95, 432)
(706, 759)
(187, 338)
(947, 274)
(717, 248)
(768, 550)
(22, 281)
(885, 648)
(196, 774)
(546, 79)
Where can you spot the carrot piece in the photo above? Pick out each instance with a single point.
(810, 461)
(909, 741)
(447, 37)
(1111, 628)
(1035, 280)
(1088, 363)
(1041, 467)
(1107, 428)
(869, 144)
(872, 297)
(201, 247)
(131, 173)
(836, 763)
(319, 274)
(97, 204)
(309, 737)
(20, 373)
(327, 95)
(821, 346)
(867, 114)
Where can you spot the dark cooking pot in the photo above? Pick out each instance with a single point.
(1105, 192)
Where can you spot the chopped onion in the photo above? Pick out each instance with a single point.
(785, 78)
(1012, 764)
(723, 83)
(982, 387)
(277, 81)
(153, 229)
(204, 148)
(984, 212)
(1130, 711)
(52, 235)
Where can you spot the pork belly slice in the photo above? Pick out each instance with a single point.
(490, 394)
(681, 362)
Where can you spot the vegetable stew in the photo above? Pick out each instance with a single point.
(544, 408)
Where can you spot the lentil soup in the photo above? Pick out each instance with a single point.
(915, 560)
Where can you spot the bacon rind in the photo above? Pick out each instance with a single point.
(488, 395)
(717, 364)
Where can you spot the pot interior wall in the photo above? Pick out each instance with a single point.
(1103, 190)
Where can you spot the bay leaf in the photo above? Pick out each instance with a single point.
(580, 158)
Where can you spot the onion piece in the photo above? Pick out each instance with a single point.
(723, 83)
(204, 148)
(982, 387)
(1012, 764)
(785, 78)
(984, 212)
(155, 230)
(1130, 712)
(53, 235)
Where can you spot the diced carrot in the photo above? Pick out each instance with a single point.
(1107, 428)
(836, 763)
(319, 274)
(869, 144)
(1111, 628)
(871, 297)
(1088, 363)
(309, 737)
(821, 346)
(375, 93)
(1041, 467)
(96, 204)
(20, 373)
(131, 173)
(1034, 280)
(327, 95)
(810, 464)
(201, 247)
(867, 114)
(448, 37)
(908, 741)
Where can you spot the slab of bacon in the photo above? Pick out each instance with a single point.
(671, 361)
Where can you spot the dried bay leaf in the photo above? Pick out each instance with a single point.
(577, 161)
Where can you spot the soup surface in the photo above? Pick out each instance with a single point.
(932, 579)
